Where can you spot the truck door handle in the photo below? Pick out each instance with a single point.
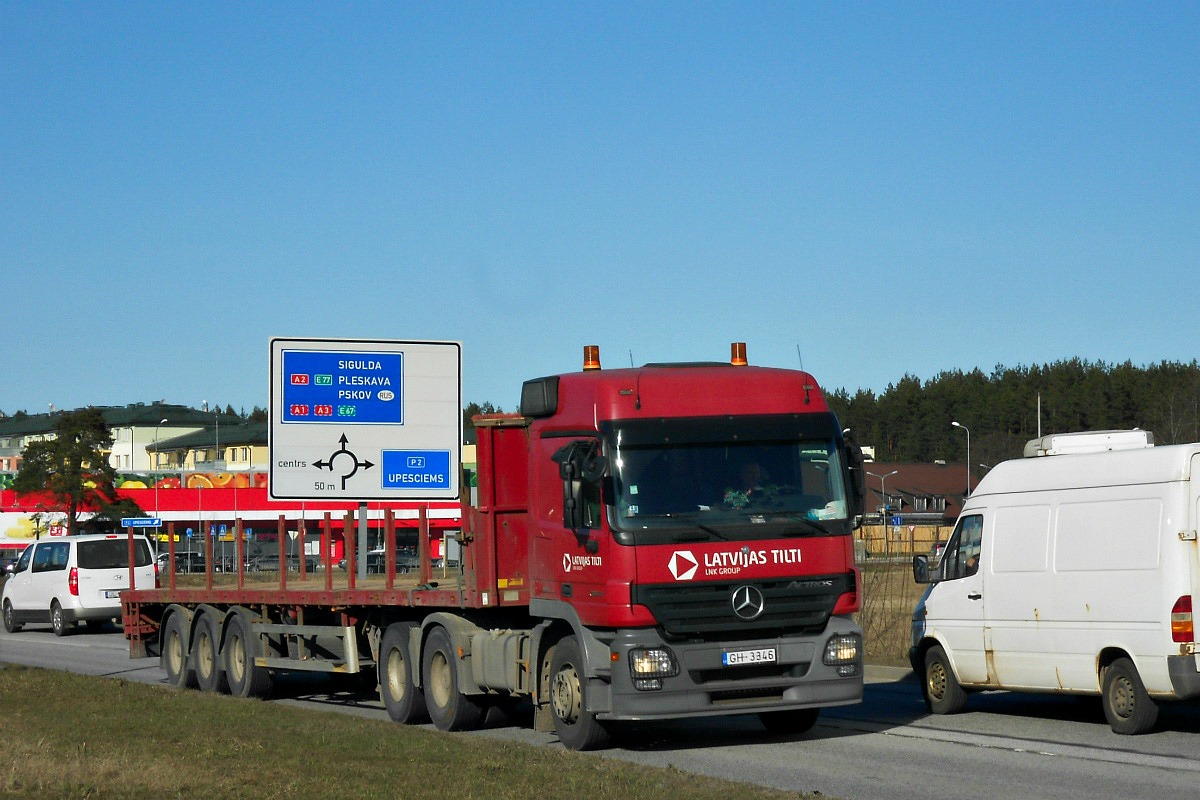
(974, 596)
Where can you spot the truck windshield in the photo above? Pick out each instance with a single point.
(721, 478)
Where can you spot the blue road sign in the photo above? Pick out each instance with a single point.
(412, 469)
(141, 522)
(346, 388)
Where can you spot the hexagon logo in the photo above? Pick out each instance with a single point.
(683, 565)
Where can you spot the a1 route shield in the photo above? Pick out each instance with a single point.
(355, 419)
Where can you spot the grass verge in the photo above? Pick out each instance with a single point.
(72, 736)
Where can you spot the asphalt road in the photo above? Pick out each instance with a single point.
(887, 748)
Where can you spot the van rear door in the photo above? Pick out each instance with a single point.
(104, 570)
(1194, 545)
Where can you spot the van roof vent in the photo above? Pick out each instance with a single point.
(1057, 444)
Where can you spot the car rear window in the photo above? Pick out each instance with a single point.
(112, 553)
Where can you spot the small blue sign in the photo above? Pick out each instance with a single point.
(413, 469)
(141, 522)
(897, 521)
(189, 533)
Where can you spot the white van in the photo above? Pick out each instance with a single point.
(70, 579)
(1072, 570)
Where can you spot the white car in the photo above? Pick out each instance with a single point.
(71, 579)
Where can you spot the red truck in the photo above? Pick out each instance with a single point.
(669, 541)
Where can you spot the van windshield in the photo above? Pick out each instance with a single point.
(113, 554)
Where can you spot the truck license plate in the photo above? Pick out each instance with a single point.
(738, 658)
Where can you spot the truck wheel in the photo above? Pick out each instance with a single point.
(206, 656)
(58, 619)
(246, 679)
(175, 657)
(943, 694)
(577, 727)
(10, 618)
(449, 708)
(783, 723)
(405, 703)
(1127, 706)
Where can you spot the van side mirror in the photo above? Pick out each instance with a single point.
(921, 569)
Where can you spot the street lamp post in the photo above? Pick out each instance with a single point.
(968, 430)
(882, 487)
(160, 422)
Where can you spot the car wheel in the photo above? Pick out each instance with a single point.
(58, 619)
(1127, 706)
(943, 694)
(10, 618)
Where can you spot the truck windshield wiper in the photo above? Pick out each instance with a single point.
(690, 519)
(811, 526)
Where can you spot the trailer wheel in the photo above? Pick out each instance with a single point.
(1127, 706)
(449, 708)
(175, 656)
(206, 656)
(795, 721)
(10, 618)
(943, 694)
(246, 679)
(405, 703)
(578, 728)
(58, 619)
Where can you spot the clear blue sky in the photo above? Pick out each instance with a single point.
(891, 189)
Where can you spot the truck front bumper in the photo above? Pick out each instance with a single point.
(704, 684)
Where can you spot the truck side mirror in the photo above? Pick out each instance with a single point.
(579, 463)
(858, 485)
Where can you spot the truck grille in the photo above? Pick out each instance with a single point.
(704, 610)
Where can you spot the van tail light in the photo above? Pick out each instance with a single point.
(157, 577)
(73, 582)
(1181, 620)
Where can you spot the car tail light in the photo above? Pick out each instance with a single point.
(73, 581)
(1181, 620)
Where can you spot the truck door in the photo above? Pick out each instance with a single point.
(955, 606)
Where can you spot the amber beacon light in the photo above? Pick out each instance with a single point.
(737, 354)
(591, 356)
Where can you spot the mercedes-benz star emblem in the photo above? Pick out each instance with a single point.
(748, 602)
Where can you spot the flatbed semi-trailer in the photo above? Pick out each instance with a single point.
(647, 543)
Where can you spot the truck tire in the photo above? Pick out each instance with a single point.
(175, 657)
(942, 692)
(1127, 706)
(795, 721)
(206, 651)
(246, 679)
(58, 619)
(405, 703)
(10, 618)
(449, 709)
(577, 727)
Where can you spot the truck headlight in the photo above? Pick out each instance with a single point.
(649, 665)
(843, 651)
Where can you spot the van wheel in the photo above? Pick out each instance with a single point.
(245, 678)
(1127, 706)
(577, 727)
(58, 618)
(405, 703)
(10, 618)
(449, 708)
(174, 655)
(206, 649)
(943, 694)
